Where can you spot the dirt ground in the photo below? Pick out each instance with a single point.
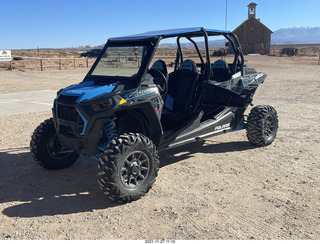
(223, 188)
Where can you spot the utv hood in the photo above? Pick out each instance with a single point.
(87, 90)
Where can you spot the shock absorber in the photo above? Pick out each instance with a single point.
(110, 132)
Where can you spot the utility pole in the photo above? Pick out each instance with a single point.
(226, 18)
(225, 28)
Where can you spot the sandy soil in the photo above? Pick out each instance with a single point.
(223, 188)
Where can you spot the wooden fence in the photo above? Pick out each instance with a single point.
(59, 63)
(37, 63)
(42, 64)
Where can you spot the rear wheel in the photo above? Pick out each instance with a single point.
(128, 167)
(46, 148)
(262, 125)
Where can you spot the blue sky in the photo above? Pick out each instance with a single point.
(28, 24)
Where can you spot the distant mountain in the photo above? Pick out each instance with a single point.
(296, 35)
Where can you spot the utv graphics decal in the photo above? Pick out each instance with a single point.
(140, 93)
(122, 101)
(87, 90)
(246, 81)
(158, 107)
(220, 127)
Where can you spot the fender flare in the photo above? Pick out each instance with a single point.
(140, 120)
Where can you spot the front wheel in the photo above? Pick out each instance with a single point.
(262, 125)
(46, 148)
(128, 167)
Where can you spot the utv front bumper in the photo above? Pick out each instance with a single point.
(74, 129)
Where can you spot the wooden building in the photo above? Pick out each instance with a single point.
(254, 36)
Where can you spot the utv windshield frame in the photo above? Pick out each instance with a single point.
(142, 65)
(151, 41)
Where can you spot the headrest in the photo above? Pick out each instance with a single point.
(220, 64)
(188, 65)
(160, 65)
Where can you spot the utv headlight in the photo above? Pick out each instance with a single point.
(99, 106)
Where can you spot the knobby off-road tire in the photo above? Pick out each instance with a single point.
(128, 167)
(46, 149)
(262, 125)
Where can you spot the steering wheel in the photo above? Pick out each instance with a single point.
(160, 80)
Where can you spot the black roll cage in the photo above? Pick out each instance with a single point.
(229, 36)
(153, 42)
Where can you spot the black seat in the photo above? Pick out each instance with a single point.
(161, 65)
(221, 71)
(181, 91)
(160, 76)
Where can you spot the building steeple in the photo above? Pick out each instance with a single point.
(252, 10)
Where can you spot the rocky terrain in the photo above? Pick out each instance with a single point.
(222, 188)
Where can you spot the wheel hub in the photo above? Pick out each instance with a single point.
(135, 169)
(269, 126)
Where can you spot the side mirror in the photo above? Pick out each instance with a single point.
(227, 44)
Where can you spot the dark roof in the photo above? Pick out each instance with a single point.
(250, 19)
(193, 31)
(252, 4)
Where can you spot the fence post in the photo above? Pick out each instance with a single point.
(60, 64)
(41, 66)
(74, 63)
(87, 62)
